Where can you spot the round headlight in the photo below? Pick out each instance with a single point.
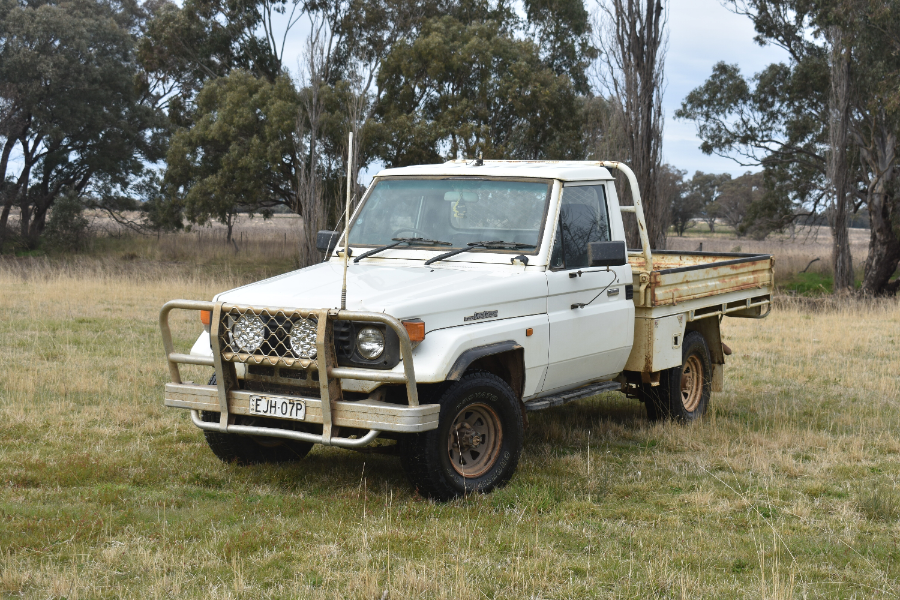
(370, 343)
(249, 332)
(303, 338)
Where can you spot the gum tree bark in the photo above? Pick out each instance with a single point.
(838, 169)
(879, 153)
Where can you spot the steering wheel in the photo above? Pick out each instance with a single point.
(412, 230)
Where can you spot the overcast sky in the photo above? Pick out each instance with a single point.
(702, 33)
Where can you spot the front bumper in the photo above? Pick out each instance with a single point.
(329, 409)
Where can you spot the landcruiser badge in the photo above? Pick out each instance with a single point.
(488, 314)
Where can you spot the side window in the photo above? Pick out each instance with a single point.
(582, 219)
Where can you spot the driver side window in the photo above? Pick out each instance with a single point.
(582, 219)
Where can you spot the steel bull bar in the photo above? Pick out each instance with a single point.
(329, 409)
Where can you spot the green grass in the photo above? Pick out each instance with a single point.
(815, 284)
(809, 284)
(788, 489)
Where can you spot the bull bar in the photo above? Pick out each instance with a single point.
(330, 409)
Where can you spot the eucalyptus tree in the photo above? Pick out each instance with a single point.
(239, 154)
(705, 189)
(464, 87)
(72, 106)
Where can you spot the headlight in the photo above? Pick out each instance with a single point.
(370, 343)
(249, 332)
(303, 338)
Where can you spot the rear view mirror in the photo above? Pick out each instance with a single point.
(466, 197)
(607, 254)
(326, 241)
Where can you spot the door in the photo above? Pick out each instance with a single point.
(591, 320)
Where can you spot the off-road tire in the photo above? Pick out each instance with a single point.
(435, 461)
(683, 392)
(251, 450)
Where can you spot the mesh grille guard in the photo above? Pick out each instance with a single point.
(275, 347)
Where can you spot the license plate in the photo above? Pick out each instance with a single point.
(273, 406)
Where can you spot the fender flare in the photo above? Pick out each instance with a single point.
(472, 354)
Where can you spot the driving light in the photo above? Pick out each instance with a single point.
(370, 343)
(249, 332)
(303, 338)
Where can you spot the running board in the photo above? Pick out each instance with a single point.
(572, 395)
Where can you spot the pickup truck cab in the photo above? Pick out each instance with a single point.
(475, 292)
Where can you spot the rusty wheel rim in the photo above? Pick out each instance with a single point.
(691, 383)
(474, 442)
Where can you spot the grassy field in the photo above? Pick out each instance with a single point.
(790, 489)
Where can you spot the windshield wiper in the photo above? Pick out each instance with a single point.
(397, 242)
(473, 245)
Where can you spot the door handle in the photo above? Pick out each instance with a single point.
(613, 292)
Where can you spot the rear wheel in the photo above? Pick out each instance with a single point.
(252, 449)
(683, 392)
(477, 444)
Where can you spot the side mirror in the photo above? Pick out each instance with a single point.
(326, 241)
(607, 254)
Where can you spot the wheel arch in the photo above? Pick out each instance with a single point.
(506, 360)
(709, 329)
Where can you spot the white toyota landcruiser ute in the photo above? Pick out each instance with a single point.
(475, 292)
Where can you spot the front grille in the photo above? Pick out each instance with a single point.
(269, 337)
(265, 372)
(343, 338)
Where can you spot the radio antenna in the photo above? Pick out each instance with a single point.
(347, 220)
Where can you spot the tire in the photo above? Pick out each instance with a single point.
(251, 450)
(683, 392)
(480, 411)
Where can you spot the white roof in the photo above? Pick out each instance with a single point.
(566, 170)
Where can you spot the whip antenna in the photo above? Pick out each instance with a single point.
(347, 220)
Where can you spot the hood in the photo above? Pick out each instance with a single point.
(442, 297)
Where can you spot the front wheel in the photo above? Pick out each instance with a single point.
(477, 444)
(683, 392)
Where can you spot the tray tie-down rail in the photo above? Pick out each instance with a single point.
(324, 361)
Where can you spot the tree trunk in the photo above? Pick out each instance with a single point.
(310, 195)
(880, 156)
(884, 255)
(838, 168)
(884, 246)
(636, 56)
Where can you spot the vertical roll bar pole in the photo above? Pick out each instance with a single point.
(638, 208)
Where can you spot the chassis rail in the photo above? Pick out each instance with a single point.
(329, 409)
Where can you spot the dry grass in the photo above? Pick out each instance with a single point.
(272, 242)
(792, 251)
(788, 490)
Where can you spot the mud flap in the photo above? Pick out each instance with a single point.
(718, 378)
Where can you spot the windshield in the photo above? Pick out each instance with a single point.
(459, 211)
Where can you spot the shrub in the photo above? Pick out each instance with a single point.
(67, 227)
